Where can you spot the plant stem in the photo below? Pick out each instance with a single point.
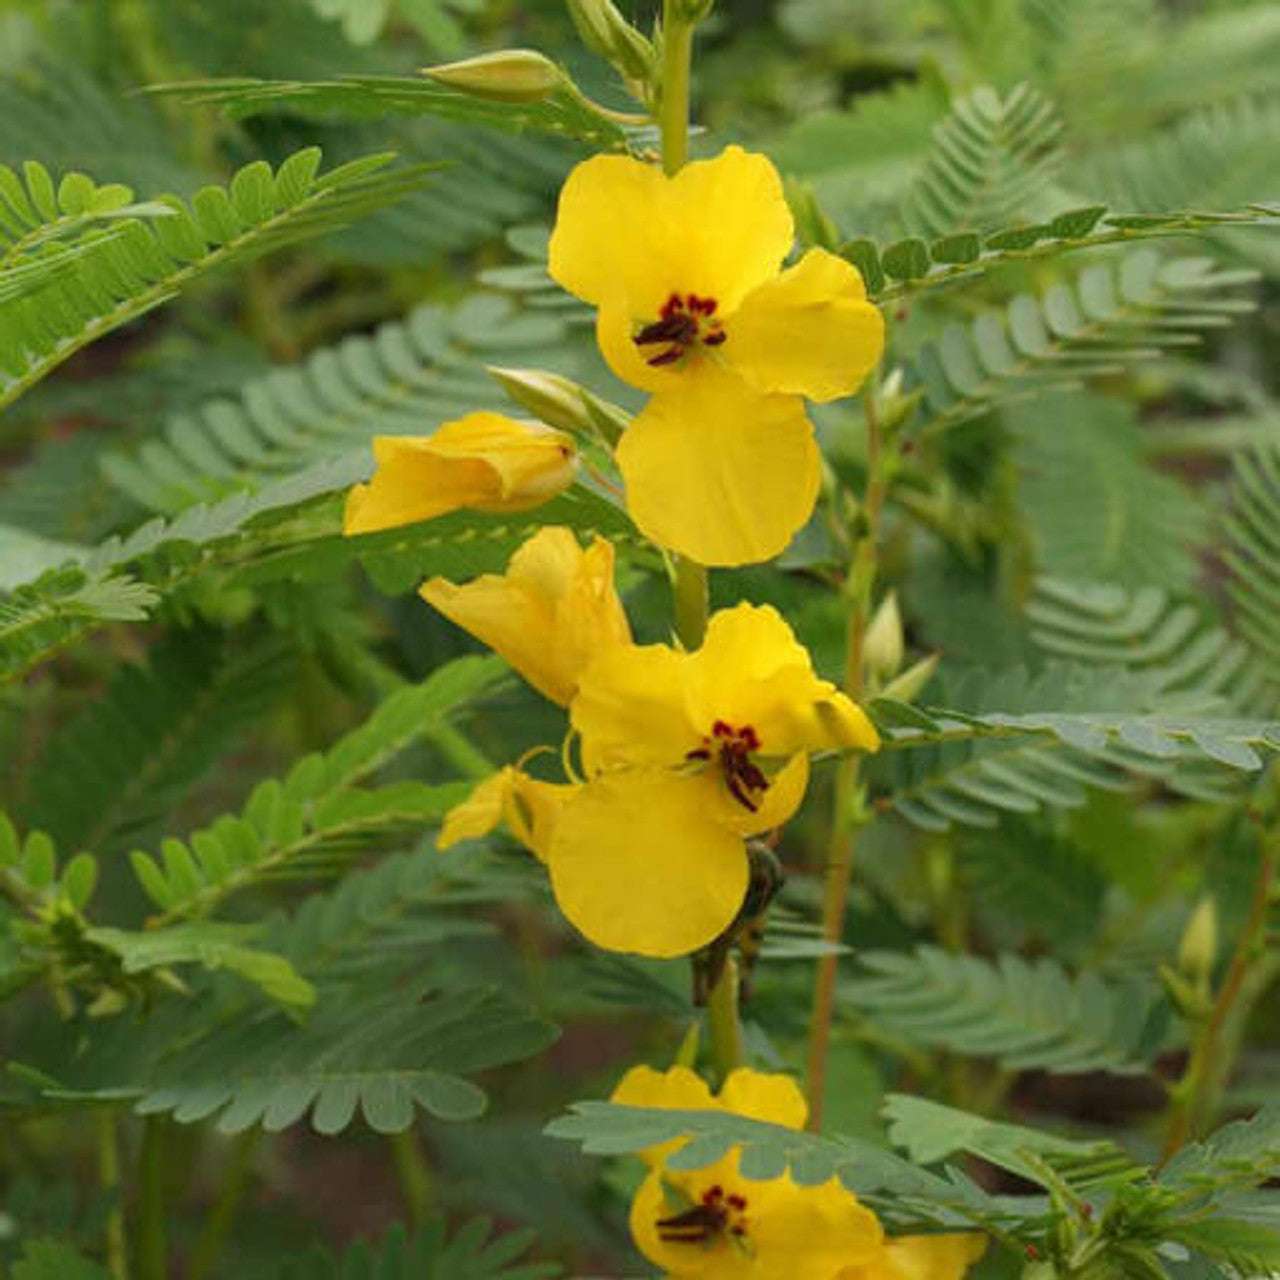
(152, 1248)
(673, 111)
(688, 578)
(689, 591)
(1196, 1093)
(846, 814)
(109, 1178)
(417, 1186)
(723, 1024)
(235, 1179)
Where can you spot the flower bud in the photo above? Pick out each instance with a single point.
(1198, 950)
(907, 687)
(882, 648)
(510, 75)
(561, 403)
(606, 32)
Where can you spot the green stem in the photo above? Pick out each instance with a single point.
(1197, 1092)
(673, 111)
(723, 1024)
(417, 1185)
(846, 817)
(689, 591)
(109, 1178)
(152, 1247)
(235, 1180)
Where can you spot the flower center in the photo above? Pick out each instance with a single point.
(732, 749)
(715, 1216)
(683, 322)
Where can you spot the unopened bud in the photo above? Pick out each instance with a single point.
(882, 647)
(910, 684)
(1198, 950)
(510, 75)
(606, 32)
(561, 403)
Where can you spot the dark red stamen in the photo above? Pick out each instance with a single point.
(679, 326)
(742, 776)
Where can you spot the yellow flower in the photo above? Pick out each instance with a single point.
(549, 615)
(714, 1224)
(529, 807)
(685, 755)
(484, 461)
(693, 304)
(687, 274)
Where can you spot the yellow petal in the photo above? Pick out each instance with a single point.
(636, 865)
(717, 229)
(412, 482)
(751, 670)
(630, 708)
(609, 232)
(716, 1259)
(719, 473)
(552, 611)
(941, 1257)
(677, 1088)
(809, 331)
(732, 223)
(483, 461)
(823, 1228)
(533, 809)
(479, 813)
(762, 1095)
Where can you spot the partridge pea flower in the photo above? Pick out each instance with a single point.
(686, 754)
(484, 461)
(714, 1224)
(694, 305)
(552, 611)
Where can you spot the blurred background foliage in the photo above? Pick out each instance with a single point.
(1087, 521)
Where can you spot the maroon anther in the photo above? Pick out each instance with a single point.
(716, 1215)
(680, 326)
(733, 747)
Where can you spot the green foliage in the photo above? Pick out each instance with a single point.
(562, 113)
(1043, 748)
(1108, 316)
(990, 157)
(1253, 531)
(405, 379)
(1077, 452)
(145, 263)
(51, 1260)
(117, 771)
(1025, 1015)
(472, 1252)
(317, 810)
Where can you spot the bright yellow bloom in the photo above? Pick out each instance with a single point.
(693, 304)
(685, 755)
(484, 461)
(713, 1224)
(552, 611)
(687, 274)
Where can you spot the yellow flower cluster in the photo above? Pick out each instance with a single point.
(694, 306)
(683, 755)
(715, 1224)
